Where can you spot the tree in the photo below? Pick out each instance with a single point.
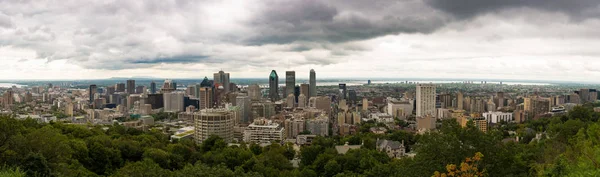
(468, 168)
(145, 168)
(332, 168)
(35, 164)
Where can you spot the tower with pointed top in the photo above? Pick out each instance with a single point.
(273, 86)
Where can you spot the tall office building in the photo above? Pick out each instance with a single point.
(205, 94)
(140, 89)
(460, 100)
(425, 100)
(445, 100)
(500, 97)
(352, 96)
(243, 102)
(313, 84)
(173, 102)
(219, 122)
(273, 86)
(110, 90)
(290, 82)
(120, 87)
(91, 92)
(304, 89)
(221, 78)
(131, 86)
(152, 87)
(254, 92)
(343, 91)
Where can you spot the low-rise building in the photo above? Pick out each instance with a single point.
(263, 130)
(393, 149)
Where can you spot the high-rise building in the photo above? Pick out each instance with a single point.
(131, 86)
(140, 89)
(219, 122)
(9, 98)
(460, 100)
(313, 84)
(302, 101)
(273, 86)
(243, 102)
(91, 92)
(152, 87)
(222, 79)
(320, 102)
(445, 100)
(120, 87)
(254, 92)
(365, 104)
(290, 101)
(290, 82)
(174, 102)
(304, 89)
(352, 96)
(343, 91)
(425, 100)
(110, 90)
(168, 86)
(584, 95)
(500, 97)
(205, 94)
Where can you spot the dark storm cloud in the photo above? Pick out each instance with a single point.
(578, 9)
(310, 20)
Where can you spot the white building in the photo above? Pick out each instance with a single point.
(262, 131)
(497, 117)
(399, 109)
(425, 100)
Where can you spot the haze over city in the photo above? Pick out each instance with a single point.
(531, 40)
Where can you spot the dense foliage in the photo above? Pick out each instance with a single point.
(567, 145)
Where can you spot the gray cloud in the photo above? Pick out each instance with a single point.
(578, 9)
(337, 21)
(5, 21)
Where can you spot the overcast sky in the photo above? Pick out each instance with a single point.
(508, 39)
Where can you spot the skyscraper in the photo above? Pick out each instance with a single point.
(152, 87)
(92, 91)
(131, 86)
(243, 102)
(254, 92)
(222, 78)
(206, 97)
(304, 89)
(343, 91)
(120, 87)
(500, 97)
(273, 86)
(425, 100)
(173, 102)
(290, 82)
(313, 84)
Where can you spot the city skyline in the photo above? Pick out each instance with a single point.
(389, 39)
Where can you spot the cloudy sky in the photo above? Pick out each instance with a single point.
(508, 39)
